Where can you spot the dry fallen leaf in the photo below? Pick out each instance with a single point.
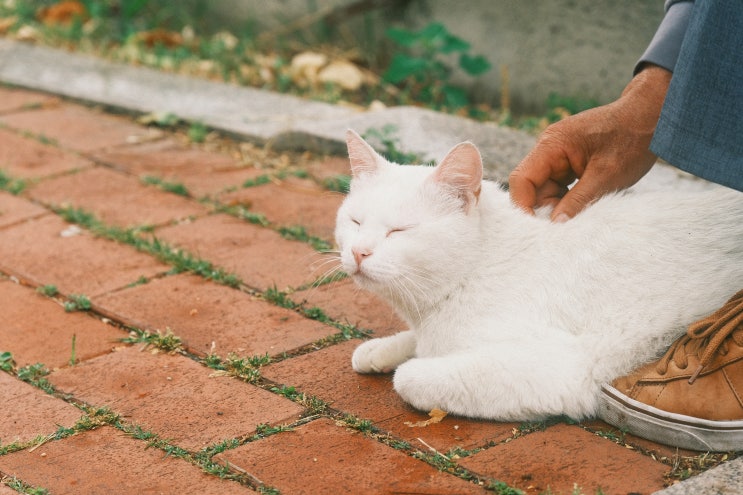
(6, 23)
(159, 36)
(436, 416)
(62, 12)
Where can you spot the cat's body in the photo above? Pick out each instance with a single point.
(513, 317)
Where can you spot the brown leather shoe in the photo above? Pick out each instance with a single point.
(693, 397)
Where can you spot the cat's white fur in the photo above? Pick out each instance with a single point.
(511, 316)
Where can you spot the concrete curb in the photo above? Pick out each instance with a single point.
(726, 479)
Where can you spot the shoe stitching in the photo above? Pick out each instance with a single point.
(732, 388)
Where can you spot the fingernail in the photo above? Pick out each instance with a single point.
(561, 218)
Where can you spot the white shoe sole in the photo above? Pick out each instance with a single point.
(676, 430)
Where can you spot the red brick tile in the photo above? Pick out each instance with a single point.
(29, 413)
(260, 256)
(79, 264)
(174, 396)
(79, 128)
(291, 203)
(12, 99)
(114, 198)
(212, 318)
(38, 330)
(14, 209)
(27, 158)
(107, 461)
(204, 173)
(563, 456)
(327, 374)
(321, 457)
(345, 302)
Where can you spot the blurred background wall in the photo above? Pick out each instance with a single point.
(575, 48)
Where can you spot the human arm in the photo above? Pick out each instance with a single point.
(606, 148)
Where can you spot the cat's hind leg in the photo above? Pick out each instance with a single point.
(509, 385)
(384, 354)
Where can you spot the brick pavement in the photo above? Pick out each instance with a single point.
(208, 363)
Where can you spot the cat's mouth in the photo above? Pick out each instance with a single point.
(363, 276)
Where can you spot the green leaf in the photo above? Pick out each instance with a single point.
(474, 65)
(433, 32)
(403, 36)
(403, 66)
(455, 97)
(452, 43)
(6, 361)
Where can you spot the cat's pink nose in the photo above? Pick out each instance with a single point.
(359, 254)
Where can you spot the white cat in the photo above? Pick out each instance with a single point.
(511, 316)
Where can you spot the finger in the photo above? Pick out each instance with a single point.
(583, 193)
(530, 176)
(550, 194)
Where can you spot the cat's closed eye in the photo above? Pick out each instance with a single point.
(397, 230)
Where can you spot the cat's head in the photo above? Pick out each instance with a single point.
(408, 228)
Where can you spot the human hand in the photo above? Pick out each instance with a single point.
(605, 148)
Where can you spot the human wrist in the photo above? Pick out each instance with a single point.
(642, 99)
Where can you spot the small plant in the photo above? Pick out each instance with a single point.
(421, 69)
(197, 132)
(279, 298)
(35, 374)
(7, 363)
(247, 215)
(338, 183)
(388, 144)
(167, 341)
(171, 187)
(77, 302)
(73, 356)
(299, 233)
(257, 181)
(13, 186)
(501, 488)
(22, 487)
(48, 290)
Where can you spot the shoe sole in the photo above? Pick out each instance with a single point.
(668, 428)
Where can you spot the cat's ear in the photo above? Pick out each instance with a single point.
(461, 170)
(364, 160)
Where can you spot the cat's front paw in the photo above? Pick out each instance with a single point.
(382, 355)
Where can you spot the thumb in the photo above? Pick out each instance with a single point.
(575, 200)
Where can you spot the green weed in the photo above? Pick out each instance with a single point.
(35, 374)
(168, 341)
(22, 487)
(338, 183)
(73, 355)
(7, 363)
(171, 187)
(197, 132)
(13, 186)
(257, 181)
(48, 290)
(385, 140)
(77, 302)
(299, 233)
